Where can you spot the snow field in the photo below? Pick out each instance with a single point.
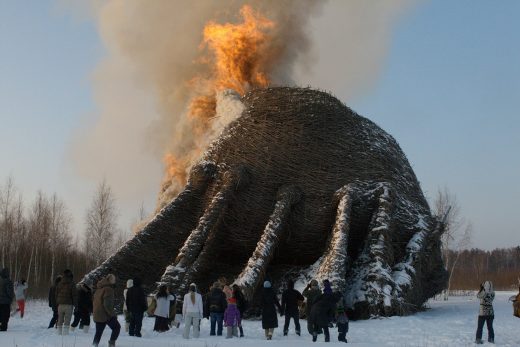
(445, 323)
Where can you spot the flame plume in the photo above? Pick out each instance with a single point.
(237, 55)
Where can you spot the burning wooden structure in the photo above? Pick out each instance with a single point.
(299, 185)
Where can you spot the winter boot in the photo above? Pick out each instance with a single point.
(479, 341)
(112, 343)
(85, 329)
(65, 330)
(285, 333)
(60, 330)
(490, 340)
(314, 337)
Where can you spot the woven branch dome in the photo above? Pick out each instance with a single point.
(309, 139)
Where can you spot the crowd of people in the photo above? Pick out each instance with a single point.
(223, 305)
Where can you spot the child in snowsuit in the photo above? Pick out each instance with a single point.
(232, 318)
(341, 320)
(20, 290)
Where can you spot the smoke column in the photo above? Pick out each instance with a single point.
(145, 85)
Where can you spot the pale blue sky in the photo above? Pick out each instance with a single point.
(447, 92)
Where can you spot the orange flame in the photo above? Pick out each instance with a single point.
(238, 51)
(237, 54)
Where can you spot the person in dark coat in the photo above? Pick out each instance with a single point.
(311, 293)
(6, 298)
(83, 309)
(269, 305)
(136, 304)
(216, 304)
(52, 302)
(241, 305)
(342, 319)
(290, 299)
(322, 312)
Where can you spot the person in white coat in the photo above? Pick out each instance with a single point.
(192, 312)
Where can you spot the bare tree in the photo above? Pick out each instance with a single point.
(101, 225)
(457, 231)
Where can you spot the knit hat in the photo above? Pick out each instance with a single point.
(232, 301)
(326, 287)
(267, 284)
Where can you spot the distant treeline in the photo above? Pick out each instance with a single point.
(474, 266)
(37, 243)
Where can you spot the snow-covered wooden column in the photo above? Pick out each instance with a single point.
(333, 265)
(256, 267)
(193, 245)
(165, 232)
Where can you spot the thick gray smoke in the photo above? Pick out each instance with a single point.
(144, 85)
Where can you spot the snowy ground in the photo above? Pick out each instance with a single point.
(446, 323)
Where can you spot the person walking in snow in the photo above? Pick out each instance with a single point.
(20, 291)
(311, 293)
(52, 302)
(126, 313)
(192, 311)
(162, 310)
(322, 312)
(6, 298)
(172, 320)
(486, 313)
(216, 304)
(66, 300)
(232, 318)
(135, 301)
(290, 307)
(104, 313)
(241, 305)
(83, 309)
(269, 305)
(341, 319)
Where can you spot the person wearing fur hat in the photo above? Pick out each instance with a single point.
(486, 314)
(232, 318)
(126, 313)
(104, 313)
(66, 299)
(136, 305)
(311, 293)
(269, 305)
(83, 309)
(192, 312)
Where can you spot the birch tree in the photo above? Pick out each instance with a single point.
(101, 223)
(457, 231)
